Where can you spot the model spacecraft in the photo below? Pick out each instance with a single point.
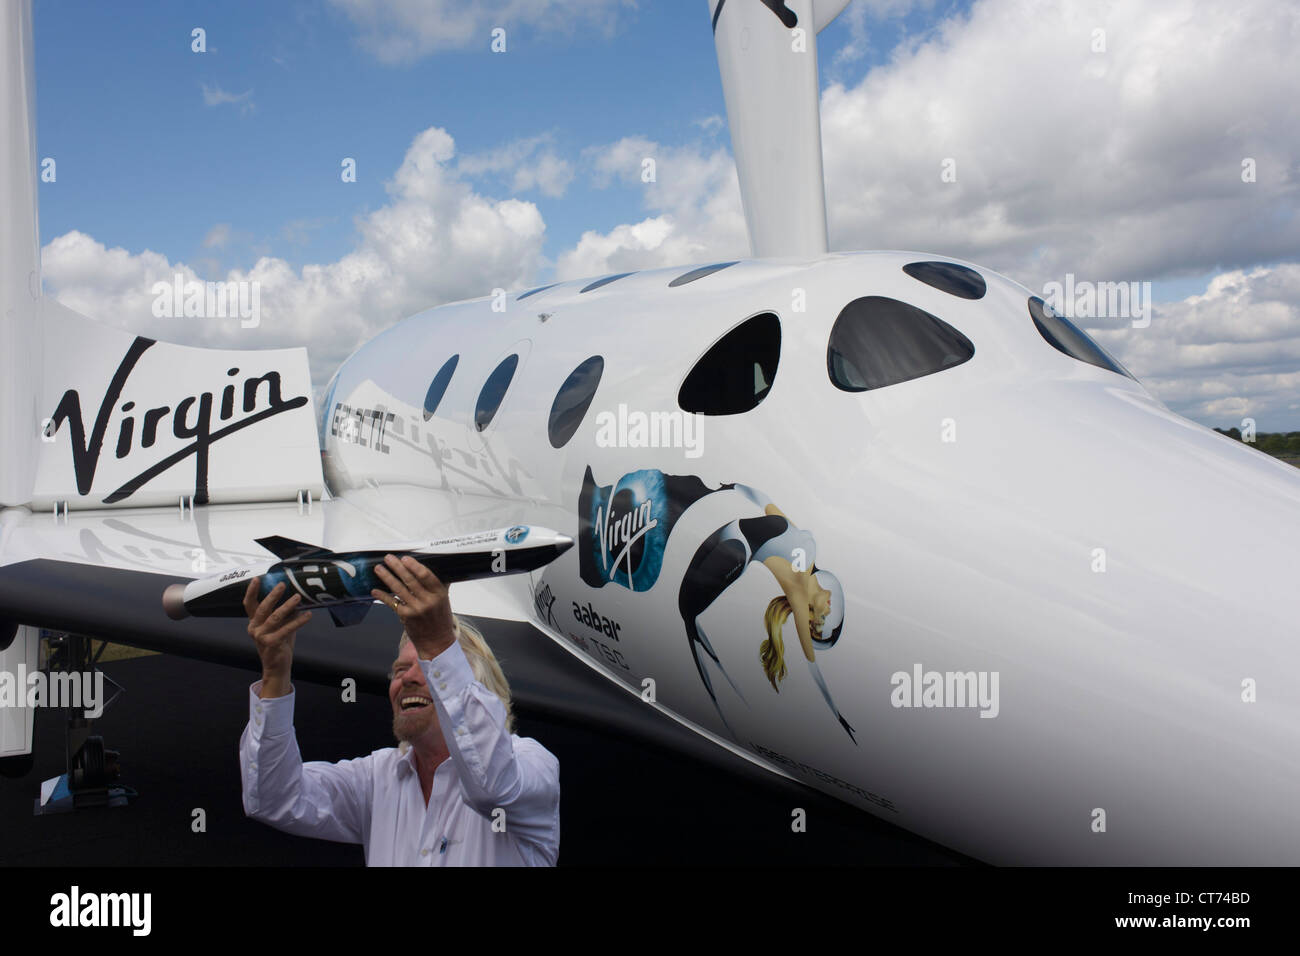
(341, 581)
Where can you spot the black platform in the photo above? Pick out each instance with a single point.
(623, 801)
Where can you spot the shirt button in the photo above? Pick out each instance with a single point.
(258, 708)
(252, 766)
(442, 686)
(424, 852)
(437, 673)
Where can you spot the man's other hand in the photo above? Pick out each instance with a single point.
(420, 600)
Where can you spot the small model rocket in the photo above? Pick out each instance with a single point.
(341, 582)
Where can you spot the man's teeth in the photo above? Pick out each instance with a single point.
(415, 702)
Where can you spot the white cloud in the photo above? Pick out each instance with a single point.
(1231, 352)
(524, 164)
(216, 96)
(436, 240)
(1124, 164)
(859, 15)
(697, 197)
(397, 31)
(217, 236)
(1119, 165)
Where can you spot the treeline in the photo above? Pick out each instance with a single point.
(1281, 444)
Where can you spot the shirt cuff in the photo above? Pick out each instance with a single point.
(449, 673)
(272, 716)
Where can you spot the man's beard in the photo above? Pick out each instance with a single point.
(408, 726)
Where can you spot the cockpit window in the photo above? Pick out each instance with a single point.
(949, 277)
(494, 392)
(1064, 336)
(573, 400)
(877, 341)
(438, 387)
(737, 372)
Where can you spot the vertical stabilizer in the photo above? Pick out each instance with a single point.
(21, 355)
(767, 55)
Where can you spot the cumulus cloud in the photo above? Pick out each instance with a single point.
(1120, 164)
(1124, 163)
(435, 240)
(397, 31)
(861, 16)
(695, 193)
(1233, 351)
(525, 164)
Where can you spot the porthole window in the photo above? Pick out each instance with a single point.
(604, 282)
(438, 387)
(540, 288)
(494, 392)
(699, 273)
(737, 372)
(1064, 336)
(573, 400)
(962, 281)
(877, 341)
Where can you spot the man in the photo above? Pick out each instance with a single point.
(460, 790)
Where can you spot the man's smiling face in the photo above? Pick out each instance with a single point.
(413, 711)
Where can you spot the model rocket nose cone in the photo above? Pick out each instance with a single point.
(562, 543)
(174, 602)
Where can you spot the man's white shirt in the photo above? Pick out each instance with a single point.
(495, 800)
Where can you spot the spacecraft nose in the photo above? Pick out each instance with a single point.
(173, 601)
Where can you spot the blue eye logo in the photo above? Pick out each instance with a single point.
(516, 534)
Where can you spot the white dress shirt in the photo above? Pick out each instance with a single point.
(495, 800)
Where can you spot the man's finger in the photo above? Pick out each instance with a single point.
(402, 573)
(268, 604)
(385, 598)
(423, 575)
(391, 580)
(250, 598)
(279, 615)
(290, 627)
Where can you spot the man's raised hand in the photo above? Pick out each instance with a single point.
(273, 631)
(420, 600)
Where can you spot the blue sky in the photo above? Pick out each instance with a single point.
(1120, 165)
(144, 163)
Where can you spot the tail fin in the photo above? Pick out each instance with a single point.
(20, 265)
(92, 416)
(767, 55)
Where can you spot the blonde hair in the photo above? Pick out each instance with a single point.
(772, 651)
(487, 671)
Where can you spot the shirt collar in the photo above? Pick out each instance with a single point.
(406, 762)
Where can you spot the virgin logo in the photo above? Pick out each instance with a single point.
(189, 417)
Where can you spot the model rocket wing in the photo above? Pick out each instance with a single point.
(285, 548)
(347, 615)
